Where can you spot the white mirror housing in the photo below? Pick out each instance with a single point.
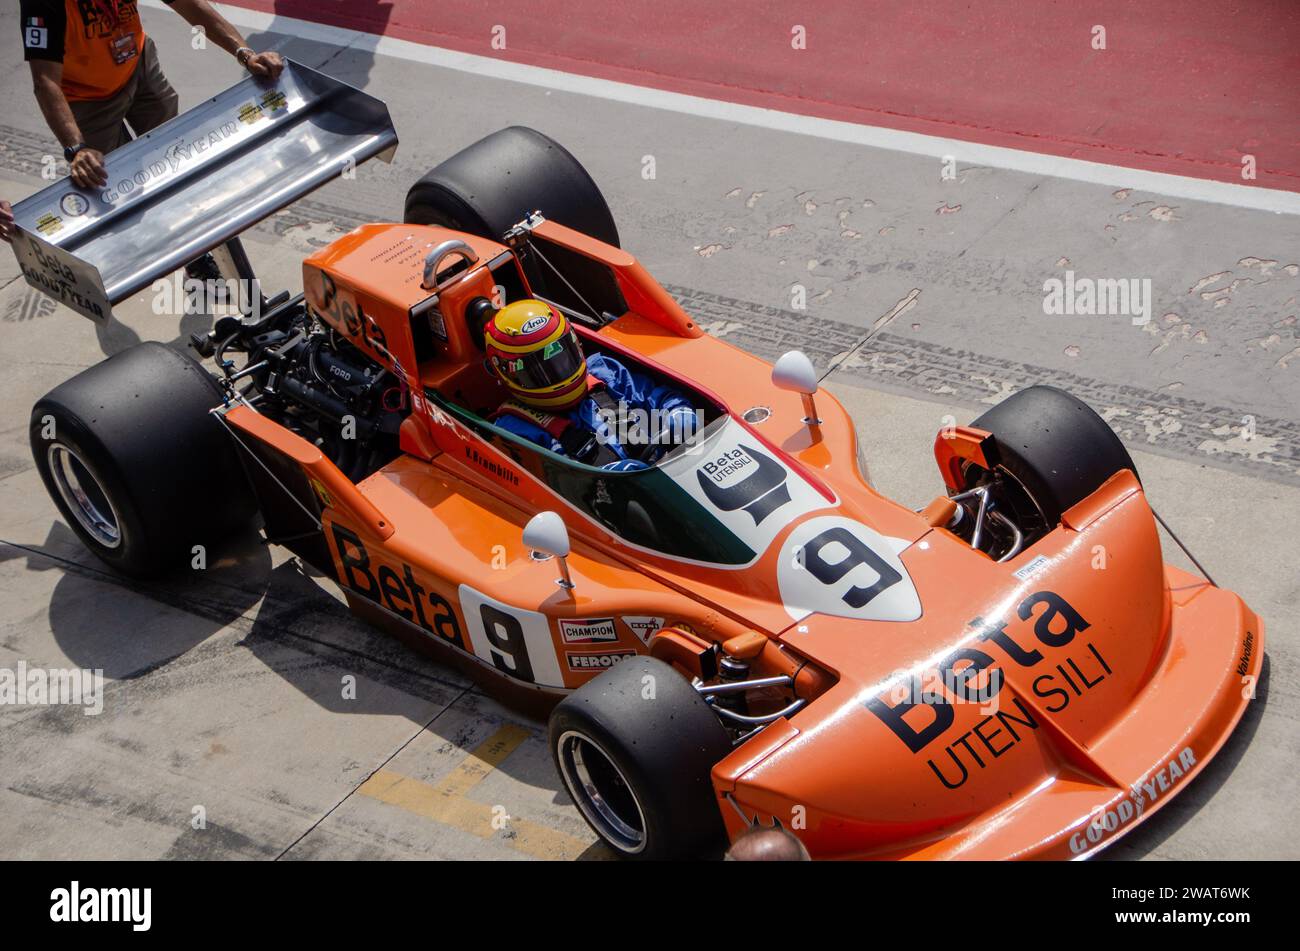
(546, 532)
(794, 371)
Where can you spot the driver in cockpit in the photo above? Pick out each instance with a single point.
(594, 410)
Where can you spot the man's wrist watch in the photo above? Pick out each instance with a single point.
(71, 151)
(244, 54)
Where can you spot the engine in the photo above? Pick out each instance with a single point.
(299, 372)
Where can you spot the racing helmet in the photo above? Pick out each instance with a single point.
(535, 352)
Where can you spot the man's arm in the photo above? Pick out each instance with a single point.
(218, 29)
(6, 221)
(43, 24)
(87, 167)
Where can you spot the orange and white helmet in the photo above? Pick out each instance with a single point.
(535, 352)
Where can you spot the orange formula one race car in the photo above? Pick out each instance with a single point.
(731, 626)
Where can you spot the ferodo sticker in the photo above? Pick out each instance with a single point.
(834, 565)
(514, 640)
(596, 660)
(747, 488)
(588, 630)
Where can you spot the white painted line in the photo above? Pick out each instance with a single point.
(967, 153)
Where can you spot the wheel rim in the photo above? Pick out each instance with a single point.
(602, 792)
(84, 495)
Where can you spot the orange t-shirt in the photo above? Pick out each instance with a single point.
(97, 41)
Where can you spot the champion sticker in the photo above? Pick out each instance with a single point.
(588, 630)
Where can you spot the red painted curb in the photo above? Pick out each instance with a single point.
(1187, 87)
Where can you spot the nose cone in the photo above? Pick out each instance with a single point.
(1000, 685)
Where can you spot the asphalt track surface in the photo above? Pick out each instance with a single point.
(224, 693)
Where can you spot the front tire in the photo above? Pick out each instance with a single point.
(634, 748)
(1055, 447)
(136, 464)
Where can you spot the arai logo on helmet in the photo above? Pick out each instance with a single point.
(534, 323)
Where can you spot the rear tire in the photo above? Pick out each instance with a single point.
(136, 464)
(493, 184)
(1055, 446)
(638, 769)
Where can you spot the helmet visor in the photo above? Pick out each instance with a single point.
(545, 367)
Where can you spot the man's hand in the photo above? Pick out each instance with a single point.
(6, 221)
(87, 169)
(218, 29)
(264, 65)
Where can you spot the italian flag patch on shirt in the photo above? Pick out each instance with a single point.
(36, 35)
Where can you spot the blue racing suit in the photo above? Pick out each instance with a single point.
(626, 387)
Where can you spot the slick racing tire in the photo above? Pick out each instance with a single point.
(1055, 446)
(136, 464)
(493, 184)
(636, 761)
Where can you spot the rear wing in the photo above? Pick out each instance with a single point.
(194, 183)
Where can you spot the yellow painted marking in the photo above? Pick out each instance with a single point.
(446, 802)
(486, 757)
